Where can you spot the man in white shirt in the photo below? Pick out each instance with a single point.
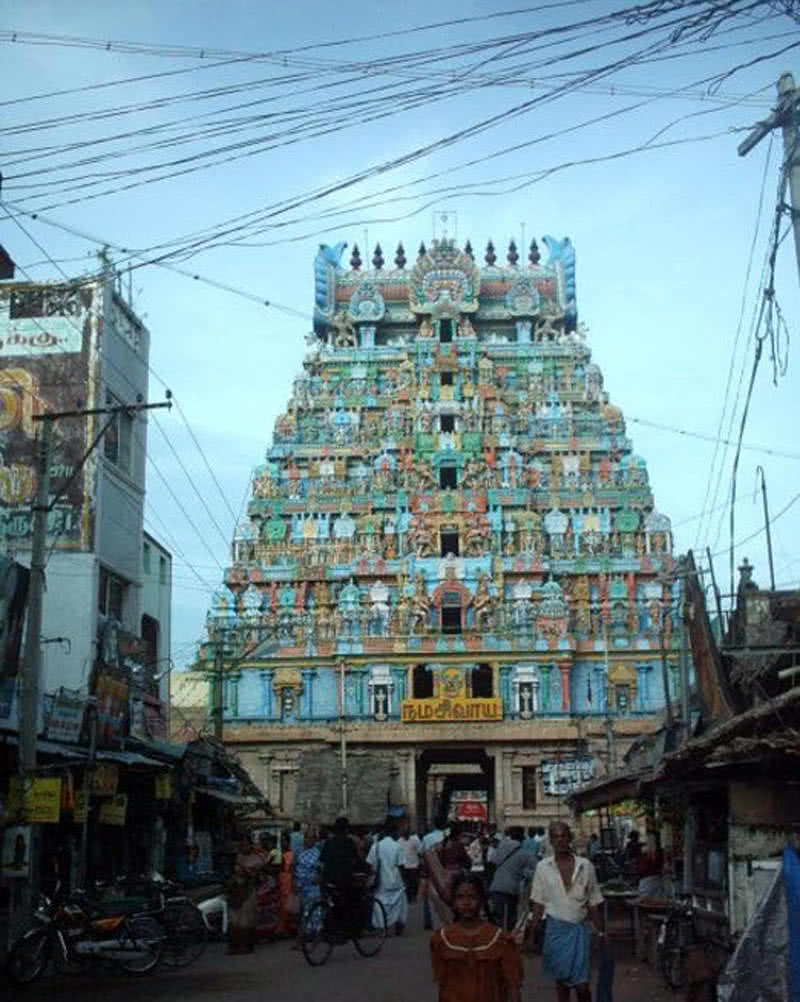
(410, 848)
(384, 858)
(566, 891)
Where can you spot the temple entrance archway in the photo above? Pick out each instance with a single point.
(447, 775)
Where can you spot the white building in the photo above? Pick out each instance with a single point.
(71, 347)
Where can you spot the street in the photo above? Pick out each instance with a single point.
(400, 973)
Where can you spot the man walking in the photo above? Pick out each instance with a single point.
(565, 890)
(512, 864)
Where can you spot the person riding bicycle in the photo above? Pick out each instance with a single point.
(342, 871)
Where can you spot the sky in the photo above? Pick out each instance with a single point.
(300, 120)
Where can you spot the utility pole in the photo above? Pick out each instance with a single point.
(343, 737)
(219, 682)
(784, 116)
(32, 659)
(684, 665)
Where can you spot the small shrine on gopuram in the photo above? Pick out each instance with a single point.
(452, 589)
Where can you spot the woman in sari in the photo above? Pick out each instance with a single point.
(306, 879)
(286, 914)
(473, 960)
(242, 902)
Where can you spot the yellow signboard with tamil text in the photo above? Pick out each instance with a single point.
(433, 711)
(36, 799)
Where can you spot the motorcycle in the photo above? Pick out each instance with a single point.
(85, 934)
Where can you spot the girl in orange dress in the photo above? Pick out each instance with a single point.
(473, 960)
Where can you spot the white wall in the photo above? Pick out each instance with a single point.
(69, 610)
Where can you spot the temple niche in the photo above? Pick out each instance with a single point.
(451, 525)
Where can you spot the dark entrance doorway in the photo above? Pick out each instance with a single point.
(446, 775)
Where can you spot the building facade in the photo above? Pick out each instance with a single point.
(76, 346)
(452, 583)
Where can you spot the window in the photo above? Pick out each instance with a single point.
(146, 561)
(447, 422)
(118, 441)
(528, 787)
(445, 378)
(163, 571)
(111, 594)
(422, 683)
(451, 619)
(447, 477)
(445, 331)
(449, 543)
(482, 682)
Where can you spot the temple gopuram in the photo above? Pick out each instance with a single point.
(452, 589)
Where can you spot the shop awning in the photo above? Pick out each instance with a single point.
(56, 748)
(127, 758)
(613, 790)
(236, 799)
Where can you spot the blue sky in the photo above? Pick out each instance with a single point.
(663, 237)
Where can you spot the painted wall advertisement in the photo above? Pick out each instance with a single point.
(45, 350)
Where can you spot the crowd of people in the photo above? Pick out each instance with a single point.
(483, 893)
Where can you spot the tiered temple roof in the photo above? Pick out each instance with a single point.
(450, 478)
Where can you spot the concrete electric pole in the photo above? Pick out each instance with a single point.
(30, 682)
(784, 116)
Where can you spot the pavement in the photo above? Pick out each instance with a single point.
(275, 972)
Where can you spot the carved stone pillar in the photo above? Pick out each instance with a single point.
(565, 687)
(266, 692)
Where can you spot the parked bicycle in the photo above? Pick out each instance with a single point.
(185, 929)
(81, 933)
(329, 922)
(679, 940)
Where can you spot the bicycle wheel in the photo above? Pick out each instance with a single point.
(29, 956)
(672, 955)
(370, 939)
(144, 938)
(186, 931)
(315, 934)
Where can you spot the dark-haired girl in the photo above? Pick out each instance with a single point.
(473, 960)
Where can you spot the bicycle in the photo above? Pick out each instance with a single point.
(686, 955)
(325, 924)
(185, 929)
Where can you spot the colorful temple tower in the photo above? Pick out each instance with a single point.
(452, 588)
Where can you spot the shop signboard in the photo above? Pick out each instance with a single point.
(163, 785)
(66, 717)
(47, 336)
(80, 812)
(105, 779)
(36, 799)
(114, 810)
(563, 776)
